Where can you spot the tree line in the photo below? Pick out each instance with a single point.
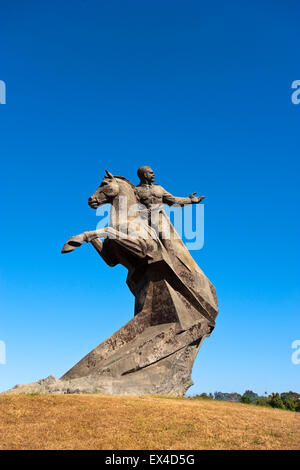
(283, 401)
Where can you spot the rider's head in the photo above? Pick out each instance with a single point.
(146, 174)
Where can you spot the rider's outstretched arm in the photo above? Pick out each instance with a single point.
(171, 200)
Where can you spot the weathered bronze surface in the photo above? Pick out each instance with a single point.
(175, 303)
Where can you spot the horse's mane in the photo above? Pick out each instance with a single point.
(122, 178)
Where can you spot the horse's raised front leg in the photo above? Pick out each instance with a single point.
(77, 240)
(138, 247)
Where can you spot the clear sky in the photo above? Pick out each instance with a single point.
(201, 91)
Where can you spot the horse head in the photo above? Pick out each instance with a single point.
(125, 218)
(106, 192)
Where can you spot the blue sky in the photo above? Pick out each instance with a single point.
(201, 91)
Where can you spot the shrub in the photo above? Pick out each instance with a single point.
(262, 401)
(245, 399)
(275, 401)
(291, 400)
(290, 404)
(204, 396)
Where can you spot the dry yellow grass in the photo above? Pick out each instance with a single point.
(123, 422)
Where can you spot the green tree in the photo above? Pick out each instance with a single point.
(262, 401)
(290, 404)
(245, 399)
(275, 401)
(251, 395)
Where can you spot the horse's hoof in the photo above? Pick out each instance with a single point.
(67, 248)
(76, 241)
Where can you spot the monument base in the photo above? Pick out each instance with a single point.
(139, 359)
(170, 377)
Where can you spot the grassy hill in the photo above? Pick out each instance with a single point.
(126, 422)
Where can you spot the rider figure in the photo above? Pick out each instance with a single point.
(151, 198)
(150, 194)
